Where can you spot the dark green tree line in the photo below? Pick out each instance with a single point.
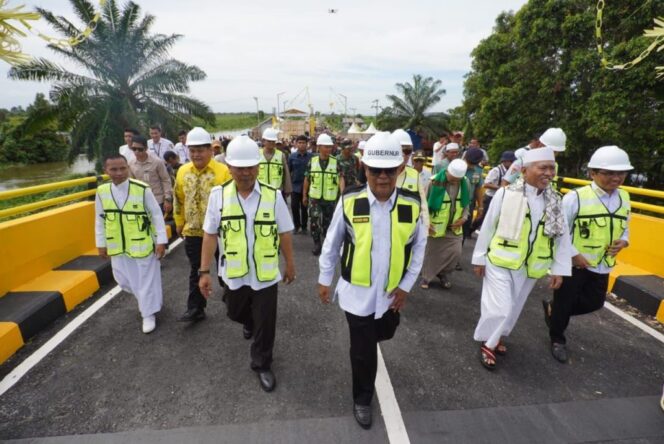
(126, 78)
(540, 68)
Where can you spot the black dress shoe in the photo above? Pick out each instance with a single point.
(546, 305)
(193, 314)
(559, 351)
(247, 332)
(362, 414)
(317, 249)
(267, 380)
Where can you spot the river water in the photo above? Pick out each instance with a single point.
(35, 174)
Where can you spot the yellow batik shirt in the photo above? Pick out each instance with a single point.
(192, 189)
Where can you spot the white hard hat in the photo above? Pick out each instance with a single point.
(361, 145)
(554, 138)
(242, 152)
(520, 153)
(271, 134)
(452, 147)
(610, 158)
(383, 150)
(324, 139)
(403, 137)
(198, 136)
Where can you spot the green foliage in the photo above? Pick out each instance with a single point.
(129, 79)
(408, 110)
(233, 121)
(333, 121)
(540, 68)
(32, 136)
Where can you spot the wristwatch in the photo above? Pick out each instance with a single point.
(202, 272)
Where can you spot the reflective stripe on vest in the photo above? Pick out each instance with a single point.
(127, 230)
(595, 227)
(271, 171)
(409, 179)
(356, 254)
(233, 233)
(324, 185)
(537, 255)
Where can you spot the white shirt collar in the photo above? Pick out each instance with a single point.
(532, 191)
(372, 197)
(124, 186)
(600, 192)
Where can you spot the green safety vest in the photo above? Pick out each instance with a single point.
(271, 171)
(440, 219)
(595, 228)
(356, 253)
(537, 255)
(324, 185)
(233, 233)
(127, 230)
(409, 179)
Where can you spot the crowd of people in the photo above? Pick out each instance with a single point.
(379, 212)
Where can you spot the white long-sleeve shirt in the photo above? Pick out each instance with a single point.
(571, 209)
(363, 301)
(160, 147)
(120, 193)
(562, 258)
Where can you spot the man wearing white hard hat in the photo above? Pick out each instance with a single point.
(322, 183)
(192, 187)
(524, 236)
(449, 208)
(273, 167)
(598, 219)
(383, 239)
(409, 177)
(249, 221)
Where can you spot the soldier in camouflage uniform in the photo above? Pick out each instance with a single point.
(321, 190)
(349, 164)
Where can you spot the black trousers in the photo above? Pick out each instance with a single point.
(365, 334)
(193, 246)
(581, 293)
(300, 214)
(258, 311)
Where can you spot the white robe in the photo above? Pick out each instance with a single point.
(140, 277)
(504, 292)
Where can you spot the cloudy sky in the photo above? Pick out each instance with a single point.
(258, 48)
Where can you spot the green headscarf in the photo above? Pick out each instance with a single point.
(437, 192)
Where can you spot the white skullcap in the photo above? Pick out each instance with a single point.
(538, 155)
(452, 146)
(457, 168)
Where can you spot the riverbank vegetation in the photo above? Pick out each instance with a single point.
(129, 78)
(27, 138)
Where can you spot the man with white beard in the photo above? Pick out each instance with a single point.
(524, 235)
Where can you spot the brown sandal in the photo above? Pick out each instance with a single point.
(501, 349)
(487, 358)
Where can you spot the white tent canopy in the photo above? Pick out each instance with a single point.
(371, 130)
(354, 129)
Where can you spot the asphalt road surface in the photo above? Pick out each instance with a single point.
(110, 383)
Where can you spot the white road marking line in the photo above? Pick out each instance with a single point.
(394, 425)
(635, 322)
(24, 367)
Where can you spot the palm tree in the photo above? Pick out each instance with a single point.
(127, 79)
(409, 110)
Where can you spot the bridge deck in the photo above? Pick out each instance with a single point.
(110, 383)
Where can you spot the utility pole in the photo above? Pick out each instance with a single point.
(345, 104)
(375, 106)
(279, 95)
(258, 119)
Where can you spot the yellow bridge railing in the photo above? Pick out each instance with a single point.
(91, 182)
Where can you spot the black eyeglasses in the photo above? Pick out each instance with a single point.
(389, 172)
(133, 148)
